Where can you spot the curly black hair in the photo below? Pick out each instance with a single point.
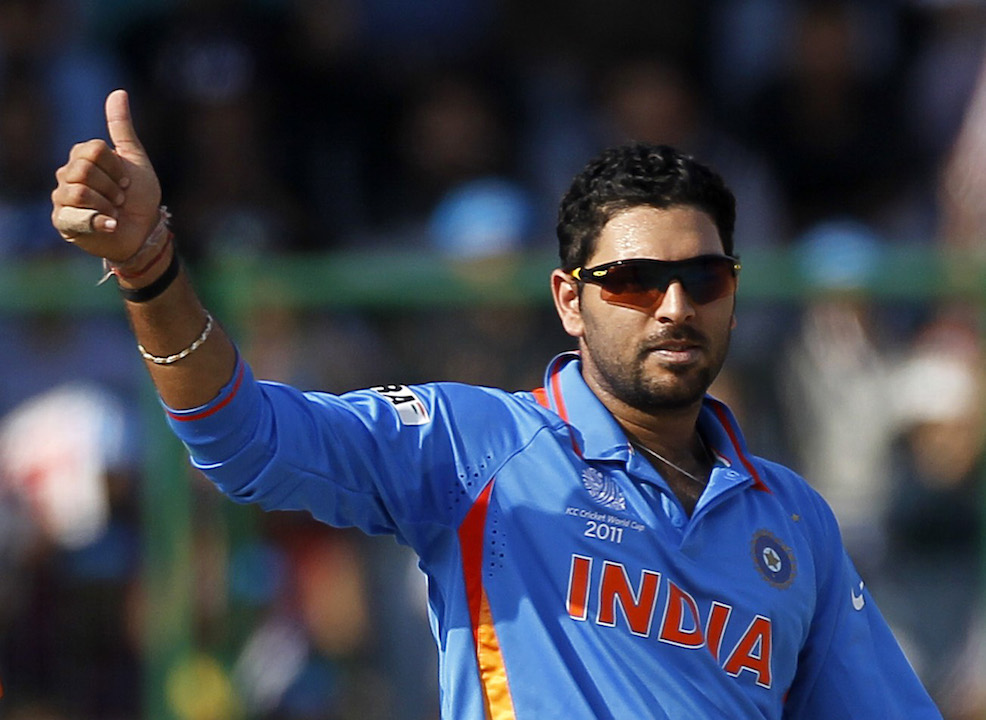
(636, 174)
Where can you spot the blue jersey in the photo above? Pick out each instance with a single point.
(565, 579)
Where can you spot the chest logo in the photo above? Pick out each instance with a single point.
(603, 490)
(773, 559)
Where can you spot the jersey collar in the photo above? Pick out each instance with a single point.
(597, 436)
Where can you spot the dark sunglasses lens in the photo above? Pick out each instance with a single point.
(634, 285)
(643, 284)
(708, 280)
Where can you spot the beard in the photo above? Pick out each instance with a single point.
(633, 379)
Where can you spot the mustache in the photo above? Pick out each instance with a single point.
(678, 333)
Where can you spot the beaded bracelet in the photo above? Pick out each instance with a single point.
(171, 359)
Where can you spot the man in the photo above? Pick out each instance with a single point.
(603, 547)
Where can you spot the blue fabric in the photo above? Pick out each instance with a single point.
(607, 599)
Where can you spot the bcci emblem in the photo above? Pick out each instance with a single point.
(774, 559)
(603, 490)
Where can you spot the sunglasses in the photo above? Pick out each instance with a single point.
(641, 283)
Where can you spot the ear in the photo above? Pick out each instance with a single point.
(566, 296)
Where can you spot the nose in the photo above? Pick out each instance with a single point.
(675, 306)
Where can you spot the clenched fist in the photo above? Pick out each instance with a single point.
(107, 198)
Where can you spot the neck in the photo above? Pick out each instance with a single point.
(671, 436)
(668, 429)
(670, 440)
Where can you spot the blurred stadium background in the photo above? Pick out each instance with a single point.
(365, 191)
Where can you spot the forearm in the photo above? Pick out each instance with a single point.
(170, 323)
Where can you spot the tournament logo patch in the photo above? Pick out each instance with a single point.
(603, 490)
(774, 560)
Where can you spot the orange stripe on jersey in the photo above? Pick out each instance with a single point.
(724, 421)
(541, 395)
(492, 671)
(557, 397)
(559, 403)
(499, 704)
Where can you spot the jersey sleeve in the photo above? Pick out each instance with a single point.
(386, 460)
(851, 666)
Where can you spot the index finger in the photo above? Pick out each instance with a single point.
(98, 153)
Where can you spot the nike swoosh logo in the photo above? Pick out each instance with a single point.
(858, 601)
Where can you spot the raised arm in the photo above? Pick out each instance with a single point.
(107, 202)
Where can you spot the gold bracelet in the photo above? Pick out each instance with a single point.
(171, 359)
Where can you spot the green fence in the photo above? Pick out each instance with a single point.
(376, 280)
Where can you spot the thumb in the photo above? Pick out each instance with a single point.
(120, 124)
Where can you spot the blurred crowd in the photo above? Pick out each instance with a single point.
(849, 131)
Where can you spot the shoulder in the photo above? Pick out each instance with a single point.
(494, 410)
(461, 409)
(797, 496)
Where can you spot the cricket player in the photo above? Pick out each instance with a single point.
(605, 546)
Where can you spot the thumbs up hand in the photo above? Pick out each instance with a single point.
(107, 198)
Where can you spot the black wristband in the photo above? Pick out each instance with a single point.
(149, 292)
